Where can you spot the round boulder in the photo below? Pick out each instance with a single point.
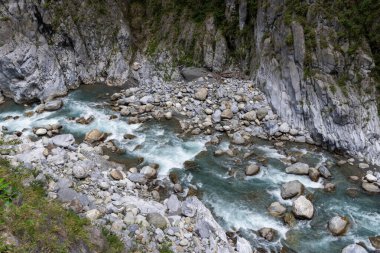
(338, 225)
(94, 136)
(276, 209)
(303, 208)
(298, 169)
(201, 94)
(354, 248)
(292, 189)
(252, 170)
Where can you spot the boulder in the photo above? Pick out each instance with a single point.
(298, 169)
(63, 140)
(157, 220)
(53, 105)
(276, 209)
(250, 116)
(314, 174)
(324, 171)
(303, 208)
(173, 205)
(201, 94)
(191, 73)
(137, 178)
(292, 189)
(375, 241)
(284, 128)
(227, 114)
(95, 136)
(93, 214)
(267, 233)
(79, 172)
(217, 116)
(41, 131)
(148, 171)
(117, 174)
(370, 187)
(363, 166)
(261, 113)
(370, 178)
(354, 248)
(237, 139)
(188, 208)
(252, 170)
(338, 225)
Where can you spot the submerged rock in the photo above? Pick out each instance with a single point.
(338, 225)
(303, 208)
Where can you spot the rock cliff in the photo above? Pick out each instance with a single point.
(315, 71)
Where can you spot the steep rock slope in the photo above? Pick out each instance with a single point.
(314, 63)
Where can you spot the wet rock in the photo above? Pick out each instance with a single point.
(338, 225)
(201, 94)
(329, 187)
(314, 174)
(375, 241)
(291, 189)
(117, 174)
(267, 233)
(85, 121)
(95, 136)
(354, 248)
(41, 131)
(129, 136)
(252, 170)
(298, 169)
(149, 172)
(276, 209)
(370, 187)
(289, 219)
(324, 171)
(157, 220)
(53, 105)
(303, 208)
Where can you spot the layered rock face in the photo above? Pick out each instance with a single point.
(313, 78)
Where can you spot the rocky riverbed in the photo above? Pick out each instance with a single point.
(148, 162)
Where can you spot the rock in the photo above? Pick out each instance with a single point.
(251, 116)
(303, 208)
(289, 219)
(117, 174)
(338, 225)
(177, 188)
(149, 172)
(370, 178)
(157, 220)
(252, 170)
(129, 136)
(276, 209)
(237, 139)
(261, 113)
(188, 209)
(192, 73)
(85, 121)
(136, 66)
(370, 187)
(243, 246)
(95, 136)
(173, 205)
(329, 187)
(137, 178)
(201, 94)
(79, 172)
(363, 166)
(354, 178)
(324, 171)
(375, 241)
(53, 105)
(217, 116)
(168, 115)
(227, 114)
(63, 140)
(41, 131)
(284, 128)
(314, 174)
(291, 189)
(267, 233)
(93, 214)
(298, 169)
(354, 248)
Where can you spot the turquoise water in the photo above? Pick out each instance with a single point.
(238, 202)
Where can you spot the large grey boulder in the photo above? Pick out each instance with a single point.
(303, 208)
(173, 205)
(325, 172)
(53, 105)
(63, 140)
(292, 189)
(148, 171)
(354, 248)
(191, 73)
(298, 169)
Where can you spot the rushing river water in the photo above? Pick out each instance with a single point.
(238, 202)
